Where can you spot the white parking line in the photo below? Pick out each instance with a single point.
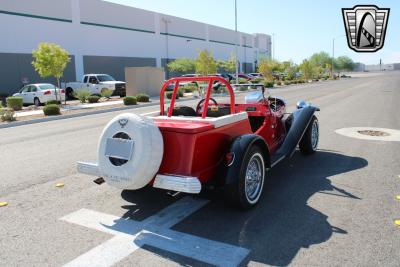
(129, 235)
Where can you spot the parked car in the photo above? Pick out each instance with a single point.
(215, 145)
(40, 93)
(226, 76)
(95, 83)
(255, 75)
(242, 75)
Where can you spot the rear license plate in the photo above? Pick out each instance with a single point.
(119, 148)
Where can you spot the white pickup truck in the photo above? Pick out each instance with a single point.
(95, 83)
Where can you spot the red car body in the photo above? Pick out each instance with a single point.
(219, 144)
(197, 149)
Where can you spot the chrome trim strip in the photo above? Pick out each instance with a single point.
(277, 161)
(90, 168)
(178, 183)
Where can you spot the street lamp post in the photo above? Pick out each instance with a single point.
(244, 50)
(273, 46)
(166, 21)
(236, 45)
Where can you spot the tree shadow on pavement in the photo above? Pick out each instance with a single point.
(281, 224)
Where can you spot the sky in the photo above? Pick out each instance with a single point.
(301, 27)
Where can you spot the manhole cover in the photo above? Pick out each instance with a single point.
(373, 133)
(370, 133)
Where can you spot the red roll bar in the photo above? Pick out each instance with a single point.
(209, 79)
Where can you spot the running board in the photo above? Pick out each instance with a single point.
(276, 158)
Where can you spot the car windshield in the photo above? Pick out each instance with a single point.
(105, 78)
(46, 86)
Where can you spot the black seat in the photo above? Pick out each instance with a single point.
(183, 111)
(218, 111)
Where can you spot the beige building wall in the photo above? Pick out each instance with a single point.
(148, 80)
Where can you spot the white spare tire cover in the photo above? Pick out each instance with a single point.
(146, 156)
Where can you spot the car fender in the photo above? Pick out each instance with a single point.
(239, 147)
(300, 120)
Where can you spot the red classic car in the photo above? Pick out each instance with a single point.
(231, 145)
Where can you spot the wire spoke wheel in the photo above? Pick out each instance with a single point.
(254, 177)
(314, 134)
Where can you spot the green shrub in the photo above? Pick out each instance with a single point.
(106, 93)
(189, 88)
(180, 93)
(142, 98)
(242, 88)
(14, 102)
(242, 80)
(278, 83)
(53, 102)
(169, 95)
(7, 115)
(269, 84)
(256, 80)
(130, 100)
(52, 109)
(93, 99)
(82, 95)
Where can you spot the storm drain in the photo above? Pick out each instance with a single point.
(373, 133)
(370, 133)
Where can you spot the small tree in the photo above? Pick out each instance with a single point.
(182, 65)
(267, 67)
(228, 65)
(291, 70)
(344, 63)
(320, 61)
(50, 60)
(308, 69)
(205, 63)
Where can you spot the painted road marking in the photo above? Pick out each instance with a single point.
(130, 235)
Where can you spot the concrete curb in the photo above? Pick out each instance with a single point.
(62, 117)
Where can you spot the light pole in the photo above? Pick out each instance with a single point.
(273, 46)
(166, 21)
(244, 50)
(236, 45)
(333, 54)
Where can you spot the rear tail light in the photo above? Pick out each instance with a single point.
(62, 91)
(47, 92)
(229, 158)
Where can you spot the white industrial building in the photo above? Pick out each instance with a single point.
(103, 37)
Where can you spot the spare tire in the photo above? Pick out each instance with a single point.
(139, 168)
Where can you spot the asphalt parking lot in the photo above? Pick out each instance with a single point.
(334, 208)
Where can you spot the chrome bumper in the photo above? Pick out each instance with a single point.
(91, 168)
(184, 184)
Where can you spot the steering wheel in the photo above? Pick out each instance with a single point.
(199, 108)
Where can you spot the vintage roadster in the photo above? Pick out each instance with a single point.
(183, 149)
